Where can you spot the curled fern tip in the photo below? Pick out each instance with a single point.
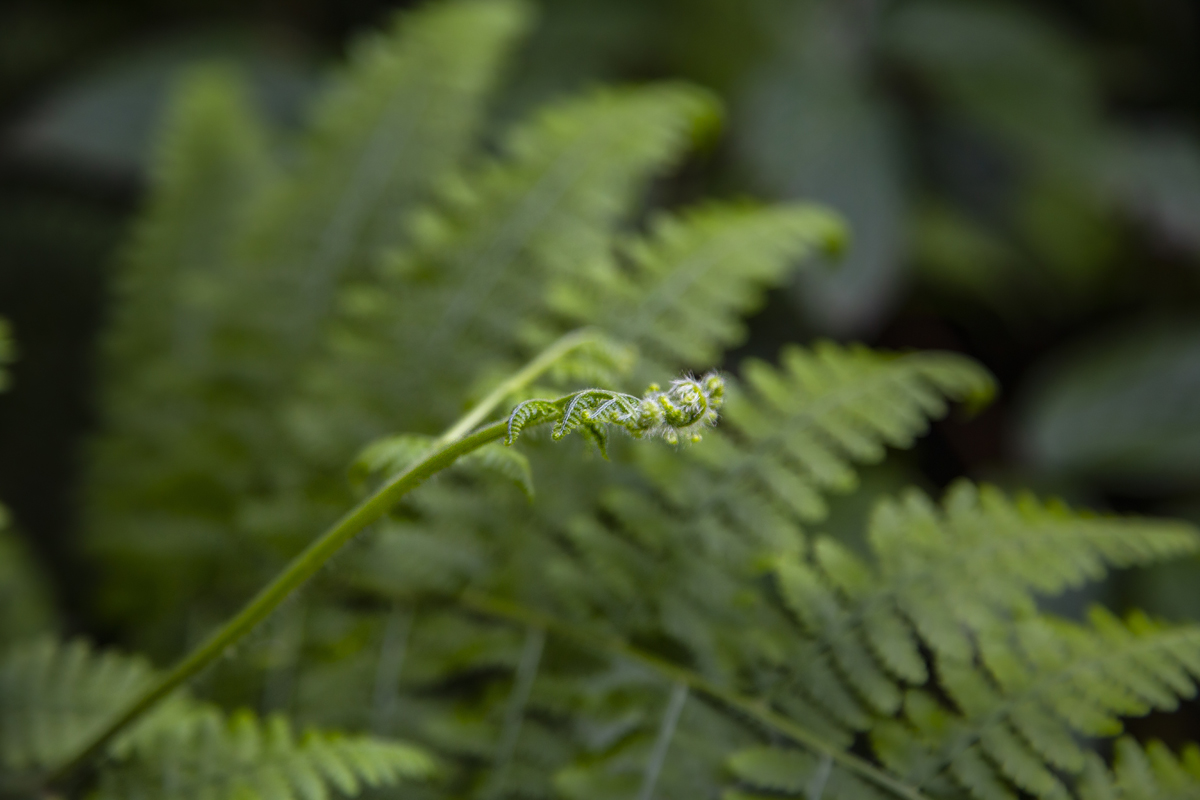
(680, 413)
(683, 411)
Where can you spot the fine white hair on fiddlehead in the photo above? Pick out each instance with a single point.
(679, 413)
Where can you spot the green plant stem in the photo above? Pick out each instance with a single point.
(301, 568)
(754, 709)
(518, 381)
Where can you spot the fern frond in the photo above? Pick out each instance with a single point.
(796, 432)
(455, 299)
(1151, 772)
(205, 755)
(679, 292)
(54, 697)
(192, 445)
(997, 553)
(403, 112)
(210, 166)
(944, 574)
(1037, 687)
(950, 582)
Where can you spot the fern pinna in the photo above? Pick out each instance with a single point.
(657, 622)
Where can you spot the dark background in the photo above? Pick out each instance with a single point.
(1023, 180)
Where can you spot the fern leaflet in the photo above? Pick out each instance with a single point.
(1036, 687)
(53, 697)
(1152, 772)
(679, 292)
(204, 755)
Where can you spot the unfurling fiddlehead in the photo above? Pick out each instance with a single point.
(678, 414)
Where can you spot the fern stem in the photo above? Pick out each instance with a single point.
(666, 732)
(749, 707)
(301, 568)
(518, 381)
(514, 713)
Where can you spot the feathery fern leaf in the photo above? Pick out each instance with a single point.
(196, 434)
(453, 301)
(404, 111)
(53, 697)
(210, 166)
(943, 575)
(796, 432)
(1152, 772)
(679, 292)
(204, 755)
(1038, 685)
(952, 582)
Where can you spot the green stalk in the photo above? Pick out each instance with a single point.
(518, 381)
(752, 709)
(301, 568)
(449, 447)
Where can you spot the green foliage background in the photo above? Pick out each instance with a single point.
(287, 297)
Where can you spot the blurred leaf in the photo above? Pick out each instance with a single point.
(1121, 409)
(1005, 67)
(1156, 175)
(107, 117)
(954, 252)
(1066, 226)
(1031, 91)
(813, 130)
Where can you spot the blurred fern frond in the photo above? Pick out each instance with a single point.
(1152, 772)
(233, 272)
(1011, 692)
(203, 754)
(458, 298)
(54, 697)
(679, 292)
